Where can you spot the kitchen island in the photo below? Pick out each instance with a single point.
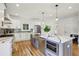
(6, 45)
(58, 45)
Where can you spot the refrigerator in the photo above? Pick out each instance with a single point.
(37, 29)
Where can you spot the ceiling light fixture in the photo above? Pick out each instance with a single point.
(69, 7)
(42, 18)
(56, 12)
(2, 18)
(17, 5)
(16, 14)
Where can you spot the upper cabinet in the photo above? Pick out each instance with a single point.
(5, 20)
(2, 7)
(12, 23)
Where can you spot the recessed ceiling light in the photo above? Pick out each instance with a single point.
(2, 18)
(57, 19)
(50, 15)
(69, 7)
(16, 14)
(17, 5)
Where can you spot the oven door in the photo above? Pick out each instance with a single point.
(52, 47)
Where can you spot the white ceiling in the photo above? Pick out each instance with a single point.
(33, 10)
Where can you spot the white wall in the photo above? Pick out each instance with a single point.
(47, 21)
(78, 23)
(31, 14)
(67, 26)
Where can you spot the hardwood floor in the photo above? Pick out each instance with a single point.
(75, 49)
(24, 48)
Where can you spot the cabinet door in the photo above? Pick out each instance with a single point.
(1, 16)
(42, 45)
(28, 36)
(23, 36)
(67, 48)
(17, 36)
(6, 48)
(2, 48)
(0, 22)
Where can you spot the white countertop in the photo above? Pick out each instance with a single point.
(57, 38)
(5, 39)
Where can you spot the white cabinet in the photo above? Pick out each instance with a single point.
(28, 36)
(17, 36)
(25, 36)
(10, 24)
(0, 23)
(2, 7)
(6, 47)
(22, 36)
(67, 48)
(1, 18)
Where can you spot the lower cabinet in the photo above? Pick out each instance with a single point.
(6, 47)
(42, 45)
(17, 37)
(22, 36)
(67, 48)
(39, 43)
(35, 43)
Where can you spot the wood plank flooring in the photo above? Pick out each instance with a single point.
(75, 49)
(24, 48)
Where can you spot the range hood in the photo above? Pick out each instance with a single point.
(6, 18)
(6, 23)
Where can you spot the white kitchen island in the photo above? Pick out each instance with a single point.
(63, 48)
(6, 46)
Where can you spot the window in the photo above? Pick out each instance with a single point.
(25, 26)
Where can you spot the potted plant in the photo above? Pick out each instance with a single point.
(47, 29)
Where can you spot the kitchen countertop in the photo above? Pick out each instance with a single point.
(57, 38)
(4, 39)
(7, 35)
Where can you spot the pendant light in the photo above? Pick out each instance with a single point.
(56, 12)
(43, 17)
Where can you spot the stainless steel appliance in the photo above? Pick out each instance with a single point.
(37, 29)
(52, 48)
